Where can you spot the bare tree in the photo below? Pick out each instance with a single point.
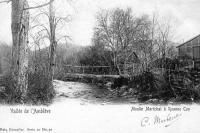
(171, 51)
(50, 33)
(164, 35)
(133, 39)
(53, 42)
(118, 30)
(20, 27)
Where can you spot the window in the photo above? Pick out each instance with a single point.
(189, 49)
(196, 52)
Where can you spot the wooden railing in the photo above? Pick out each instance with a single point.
(99, 70)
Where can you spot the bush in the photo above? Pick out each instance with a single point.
(145, 82)
(145, 86)
(40, 90)
(183, 85)
(10, 95)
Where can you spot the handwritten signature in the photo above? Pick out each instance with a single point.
(157, 120)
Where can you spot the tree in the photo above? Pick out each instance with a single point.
(118, 30)
(20, 27)
(133, 40)
(171, 51)
(53, 42)
(163, 34)
(50, 33)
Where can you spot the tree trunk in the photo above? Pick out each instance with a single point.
(52, 41)
(20, 27)
(116, 64)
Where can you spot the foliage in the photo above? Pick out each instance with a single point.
(10, 94)
(117, 30)
(166, 63)
(172, 86)
(133, 39)
(40, 88)
(97, 55)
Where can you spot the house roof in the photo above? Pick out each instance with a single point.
(188, 41)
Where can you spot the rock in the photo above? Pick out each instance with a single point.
(125, 93)
(133, 91)
(187, 81)
(97, 96)
(124, 88)
(197, 87)
(2, 89)
(119, 82)
(153, 101)
(63, 95)
(108, 84)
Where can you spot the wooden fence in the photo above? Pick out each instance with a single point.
(98, 70)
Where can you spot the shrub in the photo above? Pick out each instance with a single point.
(10, 95)
(40, 88)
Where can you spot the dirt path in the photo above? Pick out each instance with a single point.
(72, 113)
(86, 93)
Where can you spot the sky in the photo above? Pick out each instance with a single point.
(184, 13)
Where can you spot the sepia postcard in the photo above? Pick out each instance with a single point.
(99, 66)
